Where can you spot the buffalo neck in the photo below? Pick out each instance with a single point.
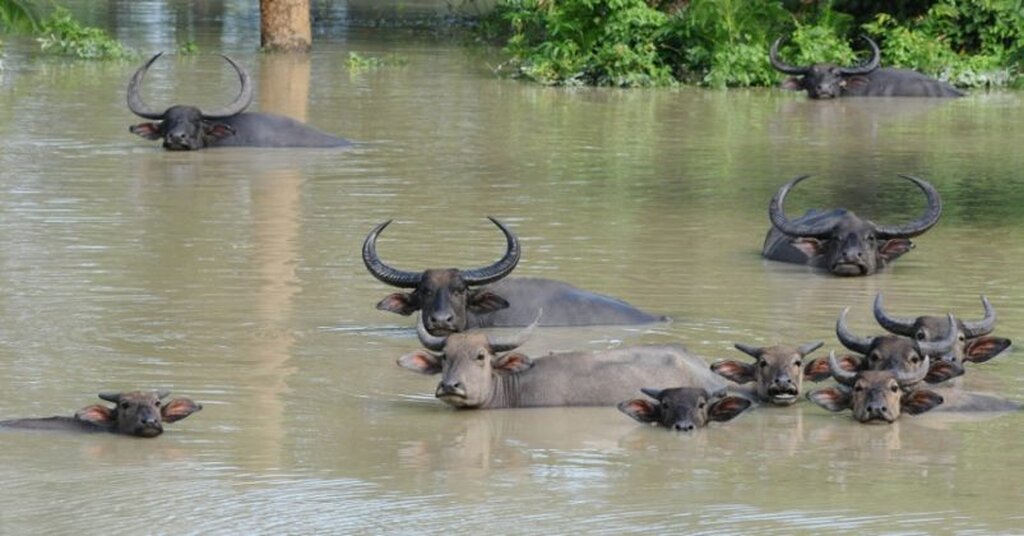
(506, 391)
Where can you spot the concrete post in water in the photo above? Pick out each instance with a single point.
(285, 25)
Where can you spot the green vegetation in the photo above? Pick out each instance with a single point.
(722, 43)
(18, 16)
(61, 34)
(359, 62)
(187, 48)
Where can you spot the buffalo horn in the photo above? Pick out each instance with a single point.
(162, 394)
(868, 66)
(906, 379)
(500, 269)
(383, 272)
(983, 326)
(243, 99)
(779, 220)
(752, 351)
(135, 103)
(430, 342)
(653, 393)
(940, 347)
(773, 55)
(892, 324)
(853, 342)
(921, 224)
(810, 347)
(111, 397)
(511, 342)
(840, 374)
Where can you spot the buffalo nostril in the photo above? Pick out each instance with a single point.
(684, 427)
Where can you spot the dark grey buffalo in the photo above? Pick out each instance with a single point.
(480, 371)
(138, 413)
(777, 371)
(826, 80)
(973, 343)
(187, 128)
(683, 409)
(453, 300)
(875, 395)
(839, 240)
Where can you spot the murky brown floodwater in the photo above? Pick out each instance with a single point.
(234, 277)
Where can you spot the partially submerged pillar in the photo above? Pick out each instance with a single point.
(285, 25)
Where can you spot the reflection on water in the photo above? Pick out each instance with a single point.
(233, 277)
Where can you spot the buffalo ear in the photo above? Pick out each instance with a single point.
(641, 410)
(97, 414)
(512, 363)
(727, 408)
(818, 368)
(150, 131)
(402, 303)
(178, 408)
(919, 401)
(792, 84)
(483, 301)
(812, 247)
(421, 361)
(734, 371)
(831, 398)
(855, 82)
(941, 371)
(982, 349)
(893, 249)
(218, 130)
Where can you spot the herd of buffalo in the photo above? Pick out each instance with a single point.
(883, 376)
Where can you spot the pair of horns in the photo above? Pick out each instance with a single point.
(904, 378)
(756, 352)
(929, 218)
(141, 109)
(478, 276)
(865, 68)
(496, 342)
(116, 397)
(862, 345)
(905, 326)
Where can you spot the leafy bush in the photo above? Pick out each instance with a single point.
(359, 62)
(18, 16)
(62, 34)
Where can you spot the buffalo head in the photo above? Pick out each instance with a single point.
(138, 413)
(972, 342)
(185, 128)
(683, 409)
(825, 80)
(446, 296)
(776, 371)
(467, 362)
(875, 395)
(847, 245)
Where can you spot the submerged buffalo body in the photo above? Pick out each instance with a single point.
(453, 300)
(826, 81)
(777, 371)
(481, 371)
(839, 240)
(138, 413)
(972, 340)
(189, 128)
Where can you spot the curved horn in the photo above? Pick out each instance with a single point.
(840, 374)
(906, 379)
(868, 66)
(111, 397)
(383, 272)
(243, 99)
(853, 342)
(135, 103)
(653, 393)
(921, 224)
(779, 220)
(752, 351)
(500, 269)
(892, 324)
(773, 55)
(511, 342)
(162, 394)
(983, 326)
(810, 347)
(430, 342)
(938, 348)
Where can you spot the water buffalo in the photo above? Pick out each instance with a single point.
(683, 409)
(479, 371)
(888, 352)
(827, 81)
(839, 240)
(776, 371)
(972, 341)
(186, 128)
(875, 395)
(138, 413)
(453, 300)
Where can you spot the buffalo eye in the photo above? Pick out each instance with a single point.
(962, 338)
(798, 363)
(915, 359)
(894, 388)
(701, 404)
(920, 335)
(157, 403)
(763, 363)
(858, 387)
(481, 356)
(874, 357)
(124, 405)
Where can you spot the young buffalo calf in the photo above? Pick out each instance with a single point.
(776, 372)
(138, 413)
(875, 395)
(683, 409)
